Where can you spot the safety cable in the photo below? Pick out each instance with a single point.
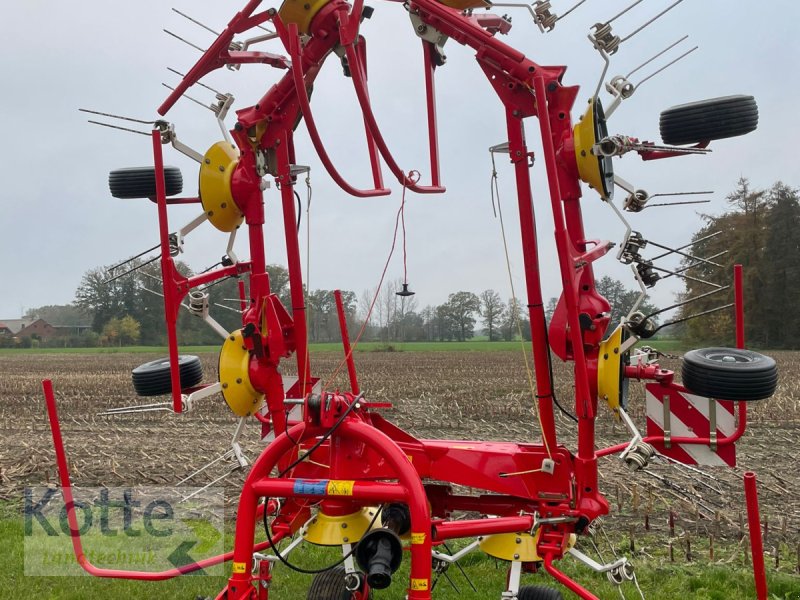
(285, 561)
(495, 190)
(397, 220)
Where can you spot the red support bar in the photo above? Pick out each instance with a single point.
(171, 299)
(756, 543)
(69, 507)
(566, 581)
(348, 352)
(475, 527)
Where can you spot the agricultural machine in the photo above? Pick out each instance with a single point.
(335, 472)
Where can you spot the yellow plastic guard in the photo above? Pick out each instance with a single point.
(325, 530)
(516, 546)
(215, 186)
(234, 375)
(300, 12)
(589, 166)
(609, 373)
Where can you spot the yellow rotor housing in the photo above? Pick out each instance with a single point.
(609, 371)
(234, 375)
(592, 170)
(300, 12)
(215, 186)
(515, 546)
(326, 530)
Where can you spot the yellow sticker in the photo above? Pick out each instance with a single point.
(410, 458)
(340, 487)
(239, 567)
(419, 584)
(417, 538)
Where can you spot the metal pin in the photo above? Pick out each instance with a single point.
(195, 21)
(188, 43)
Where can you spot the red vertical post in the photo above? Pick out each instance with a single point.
(756, 543)
(348, 352)
(171, 302)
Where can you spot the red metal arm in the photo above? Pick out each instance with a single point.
(293, 47)
(69, 506)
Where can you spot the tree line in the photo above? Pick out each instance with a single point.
(761, 231)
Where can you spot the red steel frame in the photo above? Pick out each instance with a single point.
(385, 463)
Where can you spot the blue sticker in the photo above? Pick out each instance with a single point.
(310, 488)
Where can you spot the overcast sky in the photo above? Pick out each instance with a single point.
(58, 219)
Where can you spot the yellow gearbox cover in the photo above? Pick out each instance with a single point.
(515, 546)
(325, 530)
(590, 167)
(300, 12)
(609, 372)
(234, 375)
(215, 186)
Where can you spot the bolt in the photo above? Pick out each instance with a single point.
(211, 213)
(345, 540)
(222, 169)
(224, 205)
(208, 161)
(519, 540)
(344, 525)
(307, 6)
(238, 380)
(232, 338)
(552, 86)
(224, 386)
(516, 557)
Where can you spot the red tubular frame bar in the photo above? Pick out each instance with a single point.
(69, 506)
(756, 542)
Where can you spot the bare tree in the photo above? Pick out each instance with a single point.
(492, 309)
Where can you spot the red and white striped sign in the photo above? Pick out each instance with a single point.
(674, 412)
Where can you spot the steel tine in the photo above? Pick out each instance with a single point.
(655, 56)
(619, 14)
(223, 456)
(230, 308)
(676, 203)
(113, 116)
(684, 302)
(684, 254)
(666, 66)
(208, 87)
(651, 21)
(195, 46)
(128, 272)
(205, 487)
(574, 6)
(688, 277)
(196, 101)
(662, 194)
(125, 262)
(460, 568)
(694, 316)
(118, 127)
(195, 21)
(696, 264)
(690, 244)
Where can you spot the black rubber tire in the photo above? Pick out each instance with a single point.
(729, 374)
(538, 592)
(140, 182)
(153, 378)
(707, 120)
(329, 585)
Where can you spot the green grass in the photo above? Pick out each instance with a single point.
(659, 581)
(666, 345)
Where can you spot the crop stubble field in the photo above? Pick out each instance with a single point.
(457, 395)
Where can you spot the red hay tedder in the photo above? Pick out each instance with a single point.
(335, 469)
